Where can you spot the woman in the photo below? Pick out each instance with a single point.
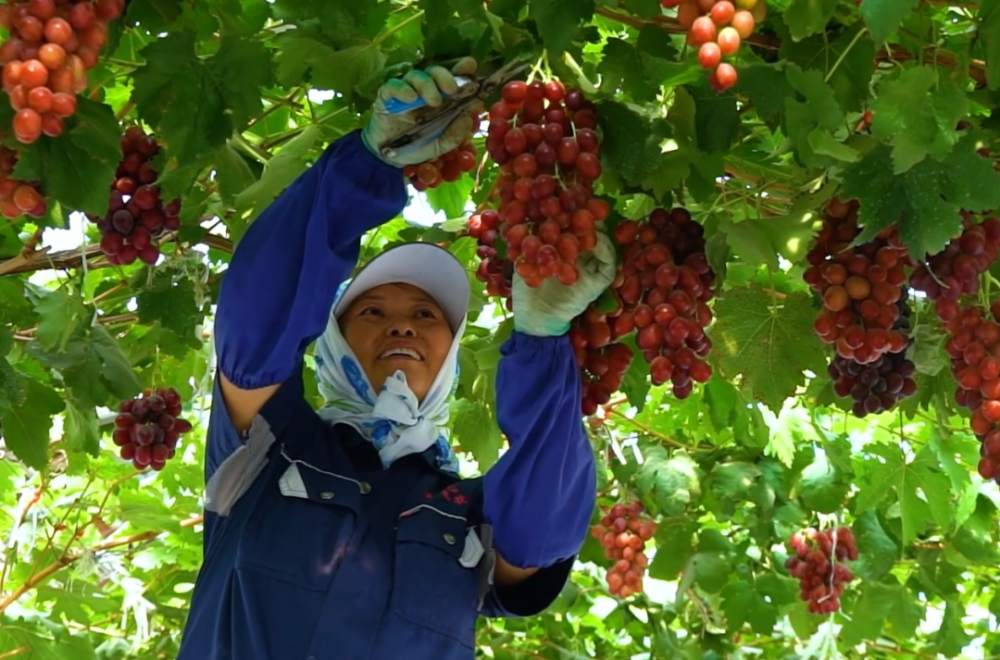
(347, 534)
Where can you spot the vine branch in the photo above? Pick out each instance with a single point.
(41, 259)
(68, 559)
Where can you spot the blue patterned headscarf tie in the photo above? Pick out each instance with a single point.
(393, 420)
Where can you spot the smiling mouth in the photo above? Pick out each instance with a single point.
(395, 353)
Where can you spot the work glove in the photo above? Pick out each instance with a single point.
(547, 310)
(429, 85)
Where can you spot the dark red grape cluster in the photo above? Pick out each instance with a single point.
(974, 349)
(665, 286)
(817, 565)
(623, 532)
(446, 168)
(716, 28)
(543, 139)
(148, 428)
(954, 272)
(860, 286)
(603, 362)
(52, 45)
(16, 196)
(496, 272)
(877, 386)
(136, 215)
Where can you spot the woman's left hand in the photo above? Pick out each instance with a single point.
(546, 311)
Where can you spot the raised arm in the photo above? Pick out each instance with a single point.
(276, 296)
(540, 495)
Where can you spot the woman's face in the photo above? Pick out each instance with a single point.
(398, 326)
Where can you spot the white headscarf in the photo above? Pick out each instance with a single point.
(394, 420)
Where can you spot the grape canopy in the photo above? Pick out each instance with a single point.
(792, 387)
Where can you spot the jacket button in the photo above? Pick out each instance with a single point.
(449, 539)
(365, 487)
(326, 495)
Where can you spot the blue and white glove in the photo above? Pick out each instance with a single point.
(430, 85)
(547, 311)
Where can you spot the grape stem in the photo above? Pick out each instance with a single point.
(537, 69)
(655, 434)
(582, 78)
(843, 54)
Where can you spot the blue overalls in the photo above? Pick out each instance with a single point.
(314, 551)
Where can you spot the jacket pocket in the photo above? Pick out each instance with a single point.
(301, 527)
(432, 588)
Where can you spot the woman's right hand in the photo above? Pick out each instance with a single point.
(431, 85)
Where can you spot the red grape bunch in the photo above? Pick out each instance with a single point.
(817, 563)
(446, 168)
(954, 272)
(716, 28)
(974, 349)
(623, 531)
(16, 196)
(877, 386)
(542, 137)
(148, 428)
(860, 286)
(666, 285)
(497, 273)
(602, 361)
(136, 215)
(52, 45)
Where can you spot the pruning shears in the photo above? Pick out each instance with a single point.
(433, 123)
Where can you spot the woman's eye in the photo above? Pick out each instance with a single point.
(371, 310)
(426, 313)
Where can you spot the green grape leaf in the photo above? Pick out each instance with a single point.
(921, 489)
(58, 314)
(917, 114)
(807, 17)
(883, 17)
(171, 304)
(26, 427)
(476, 431)
(877, 552)
(769, 341)
(629, 144)
(823, 487)
(82, 430)
(766, 85)
(852, 53)
(671, 483)
(207, 98)
(988, 29)
(558, 21)
(926, 200)
(278, 174)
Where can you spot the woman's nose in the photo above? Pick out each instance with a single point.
(401, 327)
